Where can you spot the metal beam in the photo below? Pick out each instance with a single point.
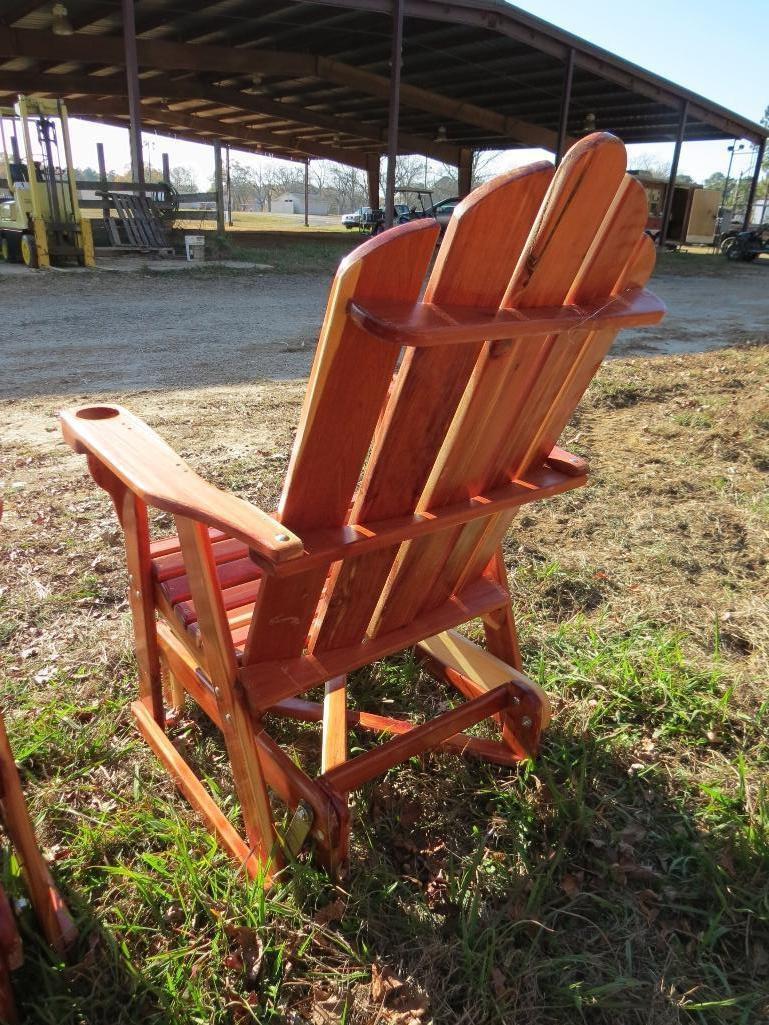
(754, 184)
(465, 172)
(167, 56)
(132, 84)
(563, 120)
(218, 187)
(253, 138)
(668, 205)
(396, 61)
(190, 89)
(372, 179)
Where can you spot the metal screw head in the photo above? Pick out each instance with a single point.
(227, 717)
(281, 537)
(319, 835)
(526, 722)
(515, 700)
(217, 691)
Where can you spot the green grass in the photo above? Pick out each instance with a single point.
(623, 877)
(285, 256)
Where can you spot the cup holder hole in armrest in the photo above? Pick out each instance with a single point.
(97, 412)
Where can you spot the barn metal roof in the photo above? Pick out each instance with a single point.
(300, 79)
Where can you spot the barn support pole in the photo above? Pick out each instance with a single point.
(754, 183)
(465, 172)
(668, 207)
(218, 187)
(372, 179)
(166, 168)
(228, 184)
(307, 193)
(134, 98)
(105, 210)
(563, 120)
(396, 57)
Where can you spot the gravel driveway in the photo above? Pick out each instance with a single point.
(67, 333)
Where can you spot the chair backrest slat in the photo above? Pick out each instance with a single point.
(477, 257)
(514, 384)
(349, 383)
(456, 420)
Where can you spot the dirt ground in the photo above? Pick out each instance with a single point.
(78, 333)
(627, 866)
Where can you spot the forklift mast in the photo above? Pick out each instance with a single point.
(42, 222)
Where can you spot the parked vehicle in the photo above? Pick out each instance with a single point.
(352, 220)
(443, 211)
(747, 245)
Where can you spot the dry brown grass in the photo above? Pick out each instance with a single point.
(498, 896)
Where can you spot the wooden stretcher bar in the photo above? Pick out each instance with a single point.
(460, 743)
(267, 683)
(322, 547)
(352, 774)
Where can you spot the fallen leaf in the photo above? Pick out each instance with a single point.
(383, 982)
(572, 884)
(331, 912)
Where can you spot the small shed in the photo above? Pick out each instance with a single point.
(293, 203)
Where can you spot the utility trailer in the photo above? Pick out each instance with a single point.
(693, 212)
(40, 218)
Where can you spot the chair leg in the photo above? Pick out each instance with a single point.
(174, 690)
(499, 625)
(237, 725)
(334, 741)
(249, 784)
(141, 597)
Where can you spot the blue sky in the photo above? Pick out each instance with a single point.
(713, 47)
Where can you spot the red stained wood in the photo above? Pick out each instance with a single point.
(428, 324)
(476, 258)
(398, 493)
(52, 913)
(359, 770)
(139, 458)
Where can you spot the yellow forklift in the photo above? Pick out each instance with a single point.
(40, 222)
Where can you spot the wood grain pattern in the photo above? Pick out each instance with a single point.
(473, 267)
(337, 423)
(55, 920)
(160, 478)
(398, 493)
(220, 662)
(500, 406)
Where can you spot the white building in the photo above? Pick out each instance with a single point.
(293, 203)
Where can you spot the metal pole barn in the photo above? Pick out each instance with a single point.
(396, 57)
(218, 187)
(134, 99)
(105, 210)
(307, 193)
(229, 185)
(465, 172)
(563, 121)
(754, 183)
(667, 208)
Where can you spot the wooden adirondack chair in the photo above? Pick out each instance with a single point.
(405, 476)
(55, 920)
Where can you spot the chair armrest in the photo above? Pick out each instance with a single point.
(151, 469)
(565, 462)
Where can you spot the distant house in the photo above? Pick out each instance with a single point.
(293, 203)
